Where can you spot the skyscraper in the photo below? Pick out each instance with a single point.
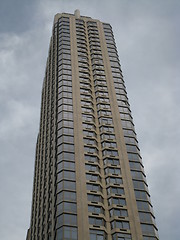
(89, 181)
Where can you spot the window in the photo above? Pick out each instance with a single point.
(115, 190)
(90, 141)
(85, 85)
(97, 235)
(96, 221)
(86, 103)
(65, 165)
(87, 110)
(138, 175)
(66, 219)
(124, 109)
(141, 195)
(65, 107)
(89, 126)
(63, 82)
(101, 99)
(143, 206)
(89, 133)
(66, 207)
(107, 136)
(116, 201)
(118, 212)
(103, 120)
(145, 217)
(127, 124)
(136, 166)
(129, 133)
(95, 209)
(65, 95)
(103, 106)
(132, 148)
(66, 115)
(65, 147)
(91, 149)
(91, 167)
(66, 196)
(106, 129)
(87, 117)
(64, 174)
(149, 238)
(69, 185)
(65, 123)
(133, 156)
(93, 187)
(65, 79)
(120, 224)
(65, 130)
(91, 158)
(67, 233)
(114, 180)
(86, 97)
(110, 170)
(111, 161)
(65, 156)
(104, 113)
(126, 116)
(65, 138)
(122, 236)
(148, 229)
(94, 198)
(92, 177)
(109, 152)
(139, 185)
(108, 144)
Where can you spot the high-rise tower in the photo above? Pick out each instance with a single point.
(89, 181)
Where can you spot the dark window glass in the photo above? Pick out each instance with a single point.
(66, 219)
(141, 195)
(66, 207)
(92, 177)
(93, 187)
(118, 212)
(94, 198)
(115, 190)
(66, 195)
(117, 201)
(122, 236)
(65, 165)
(91, 158)
(91, 167)
(146, 217)
(120, 224)
(69, 185)
(114, 180)
(143, 206)
(95, 209)
(97, 235)
(111, 161)
(96, 221)
(112, 170)
(66, 174)
(148, 229)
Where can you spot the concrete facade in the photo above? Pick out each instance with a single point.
(89, 181)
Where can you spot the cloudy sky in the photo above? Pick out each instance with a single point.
(147, 34)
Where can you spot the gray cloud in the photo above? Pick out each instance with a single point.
(147, 35)
(15, 15)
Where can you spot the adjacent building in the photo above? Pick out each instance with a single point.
(89, 180)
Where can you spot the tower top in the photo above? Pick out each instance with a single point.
(77, 13)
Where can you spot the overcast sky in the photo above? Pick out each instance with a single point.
(147, 34)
